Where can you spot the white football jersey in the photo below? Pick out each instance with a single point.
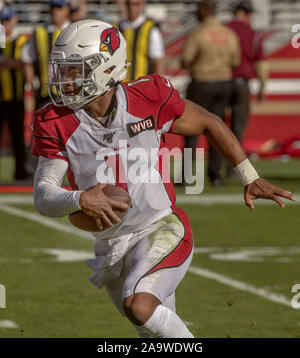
(124, 153)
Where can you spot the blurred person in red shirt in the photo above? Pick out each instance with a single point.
(253, 64)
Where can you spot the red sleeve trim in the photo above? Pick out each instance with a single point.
(47, 147)
(161, 107)
(49, 137)
(173, 112)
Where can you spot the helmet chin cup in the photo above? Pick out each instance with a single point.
(98, 52)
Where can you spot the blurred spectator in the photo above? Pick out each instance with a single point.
(252, 63)
(122, 8)
(12, 87)
(210, 53)
(145, 47)
(103, 16)
(2, 3)
(36, 53)
(78, 10)
(38, 48)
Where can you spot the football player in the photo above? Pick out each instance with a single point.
(95, 118)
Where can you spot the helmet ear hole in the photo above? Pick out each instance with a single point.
(109, 70)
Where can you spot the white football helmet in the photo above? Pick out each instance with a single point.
(88, 58)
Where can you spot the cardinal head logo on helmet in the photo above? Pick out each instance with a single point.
(110, 40)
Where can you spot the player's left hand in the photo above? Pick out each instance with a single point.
(260, 188)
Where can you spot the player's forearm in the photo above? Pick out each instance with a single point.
(196, 121)
(55, 201)
(224, 141)
(49, 198)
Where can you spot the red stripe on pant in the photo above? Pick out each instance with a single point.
(182, 250)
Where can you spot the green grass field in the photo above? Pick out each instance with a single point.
(244, 267)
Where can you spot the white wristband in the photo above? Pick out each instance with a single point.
(246, 172)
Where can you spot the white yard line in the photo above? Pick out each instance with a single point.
(274, 297)
(202, 199)
(226, 199)
(16, 199)
(53, 224)
(8, 324)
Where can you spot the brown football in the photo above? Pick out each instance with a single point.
(87, 223)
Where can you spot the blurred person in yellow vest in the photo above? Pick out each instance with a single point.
(145, 46)
(36, 53)
(12, 86)
(78, 10)
(39, 47)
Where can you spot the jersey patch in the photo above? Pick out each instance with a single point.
(136, 128)
(108, 137)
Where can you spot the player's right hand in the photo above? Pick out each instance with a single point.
(96, 204)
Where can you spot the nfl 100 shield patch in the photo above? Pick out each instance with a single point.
(109, 136)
